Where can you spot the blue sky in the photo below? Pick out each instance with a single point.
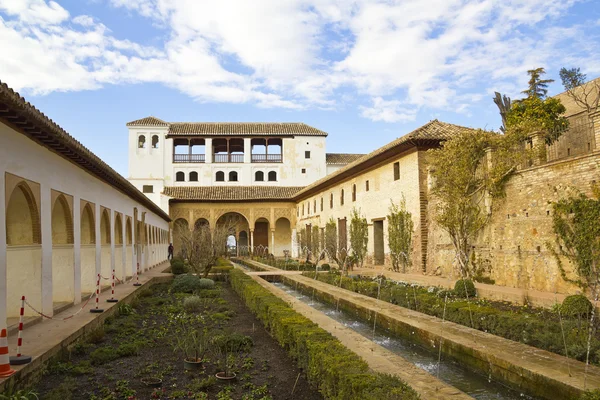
(366, 72)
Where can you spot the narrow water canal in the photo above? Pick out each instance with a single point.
(476, 385)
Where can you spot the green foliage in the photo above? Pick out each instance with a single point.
(359, 236)
(571, 78)
(233, 342)
(400, 230)
(205, 283)
(315, 241)
(331, 239)
(590, 395)
(192, 342)
(178, 266)
(64, 391)
(125, 309)
(19, 395)
(538, 87)
(575, 224)
(199, 385)
(576, 305)
(193, 304)
(186, 283)
(96, 336)
(103, 355)
(534, 114)
(338, 372)
(465, 288)
(127, 350)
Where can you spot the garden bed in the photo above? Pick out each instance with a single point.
(538, 327)
(110, 363)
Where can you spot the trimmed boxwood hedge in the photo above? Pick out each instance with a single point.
(336, 371)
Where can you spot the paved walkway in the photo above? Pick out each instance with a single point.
(378, 358)
(45, 339)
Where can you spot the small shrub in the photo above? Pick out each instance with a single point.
(325, 267)
(103, 355)
(464, 288)
(127, 349)
(199, 385)
(233, 342)
(593, 395)
(19, 395)
(576, 305)
(193, 304)
(145, 292)
(185, 284)
(83, 368)
(178, 267)
(96, 336)
(206, 283)
(125, 309)
(64, 391)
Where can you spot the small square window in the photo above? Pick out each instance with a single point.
(303, 170)
(307, 154)
(148, 189)
(396, 171)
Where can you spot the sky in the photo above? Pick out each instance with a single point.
(365, 71)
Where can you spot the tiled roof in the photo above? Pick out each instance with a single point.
(231, 193)
(31, 122)
(243, 128)
(148, 121)
(432, 133)
(341, 158)
(231, 128)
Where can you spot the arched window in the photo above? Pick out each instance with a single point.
(272, 176)
(353, 192)
(233, 177)
(193, 176)
(220, 176)
(342, 197)
(142, 142)
(179, 177)
(155, 141)
(259, 176)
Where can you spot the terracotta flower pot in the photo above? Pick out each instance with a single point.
(221, 376)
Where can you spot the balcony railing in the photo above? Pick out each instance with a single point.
(188, 158)
(266, 158)
(228, 158)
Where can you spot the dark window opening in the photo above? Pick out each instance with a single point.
(396, 171)
(233, 176)
(220, 176)
(342, 197)
(142, 142)
(155, 142)
(367, 186)
(193, 176)
(353, 192)
(272, 176)
(303, 170)
(307, 154)
(179, 177)
(259, 176)
(148, 189)
(331, 201)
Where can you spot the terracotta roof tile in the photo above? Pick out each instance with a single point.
(341, 158)
(31, 122)
(231, 193)
(148, 121)
(432, 132)
(243, 128)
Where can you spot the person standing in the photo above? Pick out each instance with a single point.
(170, 252)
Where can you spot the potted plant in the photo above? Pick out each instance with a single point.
(227, 349)
(227, 363)
(194, 344)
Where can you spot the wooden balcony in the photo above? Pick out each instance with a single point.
(267, 158)
(188, 158)
(228, 158)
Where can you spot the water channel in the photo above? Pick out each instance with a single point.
(474, 384)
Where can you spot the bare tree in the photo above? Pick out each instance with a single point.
(585, 94)
(202, 246)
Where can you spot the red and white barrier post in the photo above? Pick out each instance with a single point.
(20, 359)
(137, 276)
(112, 288)
(97, 310)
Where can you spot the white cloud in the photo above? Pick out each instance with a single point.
(388, 111)
(401, 56)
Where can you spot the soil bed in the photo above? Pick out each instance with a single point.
(109, 365)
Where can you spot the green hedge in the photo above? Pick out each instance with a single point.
(337, 372)
(540, 328)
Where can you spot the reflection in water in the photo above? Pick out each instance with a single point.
(474, 384)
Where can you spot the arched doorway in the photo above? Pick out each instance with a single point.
(230, 225)
(261, 237)
(129, 267)
(283, 236)
(88, 250)
(105, 238)
(23, 253)
(118, 235)
(63, 272)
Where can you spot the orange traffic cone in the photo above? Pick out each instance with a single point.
(5, 370)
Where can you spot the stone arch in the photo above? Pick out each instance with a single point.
(62, 221)
(88, 230)
(128, 235)
(105, 227)
(262, 233)
(201, 222)
(155, 141)
(221, 213)
(22, 217)
(118, 229)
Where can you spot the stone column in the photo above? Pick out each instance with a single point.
(3, 275)
(77, 248)
(294, 241)
(252, 240)
(46, 226)
(272, 247)
(247, 150)
(208, 151)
